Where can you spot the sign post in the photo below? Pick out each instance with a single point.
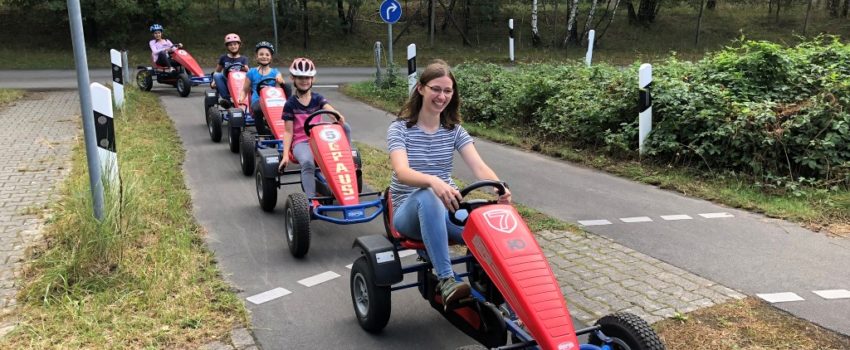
(390, 12)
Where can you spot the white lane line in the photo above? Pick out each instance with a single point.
(593, 222)
(717, 215)
(676, 217)
(780, 297)
(405, 253)
(349, 266)
(833, 293)
(637, 219)
(320, 278)
(268, 295)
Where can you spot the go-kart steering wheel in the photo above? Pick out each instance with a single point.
(234, 66)
(471, 205)
(263, 83)
(308, 126)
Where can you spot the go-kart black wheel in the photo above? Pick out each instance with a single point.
(627, 331)
(372, 303)
(214, 124)
(266, 191)
(297, 216)
(246, 153)
(184, 85)
(233, 139)
(144, 80)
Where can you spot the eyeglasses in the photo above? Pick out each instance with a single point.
(439, 90)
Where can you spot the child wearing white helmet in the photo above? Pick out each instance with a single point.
(301, 104)
(160, 47)
(233, 44)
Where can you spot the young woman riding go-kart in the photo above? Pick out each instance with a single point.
(514, 294)
(172, 65)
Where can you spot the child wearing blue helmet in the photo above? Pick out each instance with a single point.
(161, 47)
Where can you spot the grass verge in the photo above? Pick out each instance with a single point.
(747, 324)
(141, 278)
(818, 210)
(8, 96)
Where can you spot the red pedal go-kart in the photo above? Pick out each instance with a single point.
(185, 75)
(338, 183)
(272, 100)
(514, 293)
(219, 111)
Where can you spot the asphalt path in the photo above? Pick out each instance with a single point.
(745, 251)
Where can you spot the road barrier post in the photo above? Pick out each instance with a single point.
(378, 63)
(645, 104)
(591, 37)
(411, 68)
(105, 132)
(117, 77)
(511, 39)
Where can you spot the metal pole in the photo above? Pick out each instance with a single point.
(378, 63)
(76, 20)
(274, 22)
(390, 64)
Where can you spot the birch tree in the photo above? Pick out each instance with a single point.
(535, 33)
(572, 33)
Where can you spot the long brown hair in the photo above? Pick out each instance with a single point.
(450, 116)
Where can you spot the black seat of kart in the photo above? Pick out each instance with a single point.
(393, 234)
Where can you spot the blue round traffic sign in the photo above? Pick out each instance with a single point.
(390, 11)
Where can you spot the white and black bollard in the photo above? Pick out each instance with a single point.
(378, 63)
(411, 68)
(117, 77)
(511, 39)
(645, 103)
(591, 36)
(104, 132)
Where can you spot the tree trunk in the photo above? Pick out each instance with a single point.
(833, 7)
(466, 13)
(611, 19)
(632, 14)
(769, 8)
(535, 33)
(778, 5)
(711, 4)
(446, 20)
(340, 11)
(306, 25)
(808, 14)
(647, 11)
(589, 19)
(572, 33)
(846, 8)
(352, 12)
(699, 21)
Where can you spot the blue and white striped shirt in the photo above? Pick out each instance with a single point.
(426, 153)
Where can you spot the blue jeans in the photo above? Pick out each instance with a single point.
(423, 216)
(221, 85)
(304, 155)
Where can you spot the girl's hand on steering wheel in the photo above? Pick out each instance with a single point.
(446, 193)
(282, 164)
(505, 198)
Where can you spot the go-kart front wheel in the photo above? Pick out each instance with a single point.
(297, 216)
(144, 80)
(246, 153)
(214, 124)
(266, 191)
(627, 331)
(184, 85)
(372, 303)
(233, 140)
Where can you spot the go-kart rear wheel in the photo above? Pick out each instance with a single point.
(297, 216)
(372, 303)
(627, 331)
(247, 149)
(233, 139)
(144, 80)
(214, 124)
(266, 191)
(184, 85)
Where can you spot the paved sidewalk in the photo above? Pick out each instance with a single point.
(36, 138)
(599, 276)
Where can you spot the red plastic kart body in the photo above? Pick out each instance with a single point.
(236, 81)
(332, 153)
(506, 249)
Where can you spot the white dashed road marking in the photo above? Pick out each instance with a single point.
(780, 297)
(637, 219)
(594, 222)
(268, 296)
(676, 217)
(833, 293)
(717, 215)
(320, 278)
(349, 266)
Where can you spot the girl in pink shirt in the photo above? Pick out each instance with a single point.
(160, 47)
